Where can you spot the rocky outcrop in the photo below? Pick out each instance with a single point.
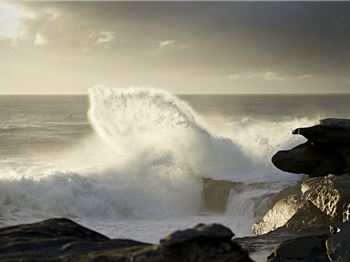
(64, 240)
(327, 150)
(334, 247)
(305, 212)
(312, 205)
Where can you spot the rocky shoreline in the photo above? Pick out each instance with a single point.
(314, 214)
(62, 239)
(309, 221)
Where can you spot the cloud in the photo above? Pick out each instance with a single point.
(11, 20)
(234, 76)
(102, 37)
(268, 75)
(164, 46)
(305, 76)
(40, 40)
(272, 76)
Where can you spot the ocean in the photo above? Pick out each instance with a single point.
(135, 163)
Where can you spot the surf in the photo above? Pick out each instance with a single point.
(147, 158)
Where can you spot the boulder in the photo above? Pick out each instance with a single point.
(61, 239)
(305, 248)
(312, 205)
(311, 160)
(293, 214)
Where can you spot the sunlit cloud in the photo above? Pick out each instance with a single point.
(269, 75)
(40, 40)
(11, 20)
(165, 46)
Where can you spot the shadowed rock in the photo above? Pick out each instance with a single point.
(65, 240)
(330, 131)
(305, 248)
(338, 245)
(327, 150)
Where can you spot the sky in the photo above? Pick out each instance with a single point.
(182, 47)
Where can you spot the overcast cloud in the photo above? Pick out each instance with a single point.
(184, 47)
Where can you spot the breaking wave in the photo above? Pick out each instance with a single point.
(147, 158)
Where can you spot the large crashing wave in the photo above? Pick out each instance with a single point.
(152, 124)
(147, 158)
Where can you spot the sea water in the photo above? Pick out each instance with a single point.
(130, 163)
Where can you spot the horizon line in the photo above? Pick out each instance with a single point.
(86, 94)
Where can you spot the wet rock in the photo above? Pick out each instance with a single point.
(65, 240)
(305, 248)
(215, 194)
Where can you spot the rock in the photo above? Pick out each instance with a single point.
(211, 242)
(305, 248)
(330, 194)
(213, 232)
(279, 214)
(311, 160)
(327, 150)
(329, 131)
(312, 205)
(65, 240)
(55, 238)
(215, 194)
(338, 244)
(293, 214)
(346, 212)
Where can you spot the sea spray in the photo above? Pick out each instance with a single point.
(146, 158)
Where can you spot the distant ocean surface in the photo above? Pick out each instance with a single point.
(129, 163)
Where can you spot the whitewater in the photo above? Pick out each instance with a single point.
(141, 171)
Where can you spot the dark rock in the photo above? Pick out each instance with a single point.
(211, 242)
(305, 248)
(338, 244)
(327, 150)
(311, 160)
(329, 131)
(201, 231)
(64, 240)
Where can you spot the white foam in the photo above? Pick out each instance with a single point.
(145, 161)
